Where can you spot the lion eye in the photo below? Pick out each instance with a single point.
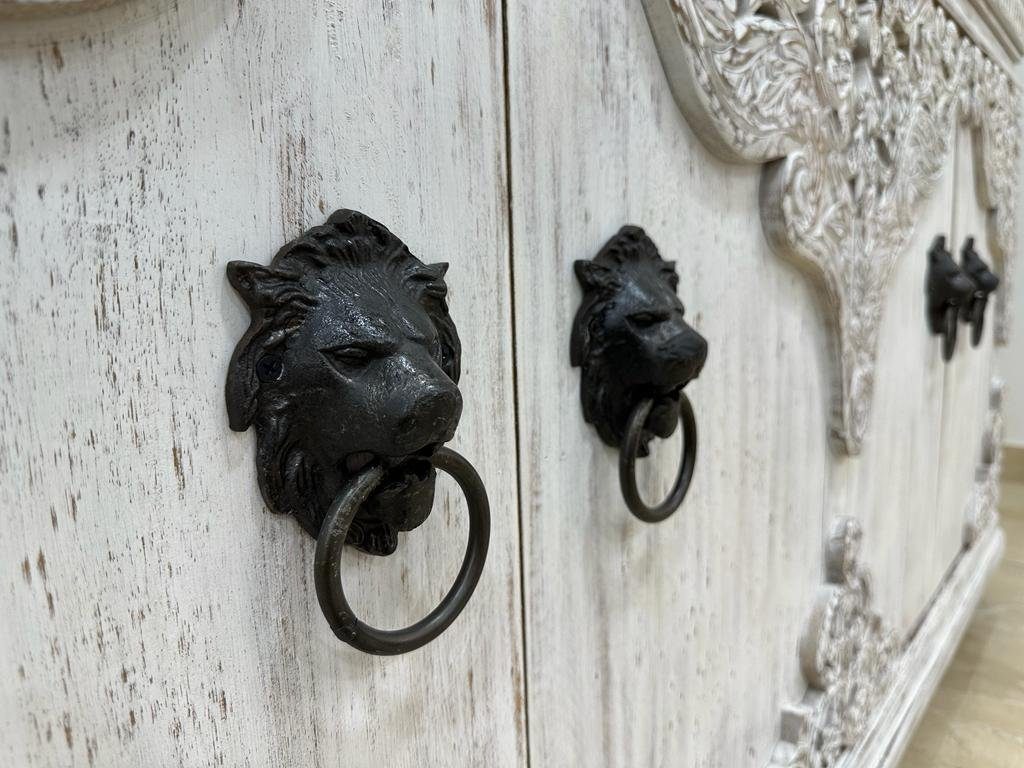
(647, 319)
(352, 356)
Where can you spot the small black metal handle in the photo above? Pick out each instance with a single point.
(349, 373)
(948, 290)
(327, 565)
(628, 456)
(985, 284)
(636, 353)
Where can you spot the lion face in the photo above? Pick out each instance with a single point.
(947, 285)
(631, 339)
(351, 358)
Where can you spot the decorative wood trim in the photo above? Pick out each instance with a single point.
(983, 506)
(1006, 17)
(866, 696)
(847, 657)
(927, 656)
(851, 108)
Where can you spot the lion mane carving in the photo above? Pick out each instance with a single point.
(630, 339)
(350, 357)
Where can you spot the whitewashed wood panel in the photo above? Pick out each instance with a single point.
(157, 613)
(684, 635)
(668, 644)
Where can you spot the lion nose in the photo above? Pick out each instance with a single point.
(432, 418)
(690, 351)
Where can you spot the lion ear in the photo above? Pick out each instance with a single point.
(592, 276)
(242, 384)
(259, 286)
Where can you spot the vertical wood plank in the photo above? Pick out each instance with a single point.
(161, 612)
(668, 644)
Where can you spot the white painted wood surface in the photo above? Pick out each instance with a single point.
(161, 613)
(668, 644)
(156, 613)
(684, 634)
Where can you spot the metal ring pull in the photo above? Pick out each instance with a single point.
(948, 289)
(985, 284)
(331, 541)
(628, 456)
(949, 333)
(636, 353)
(349, 375)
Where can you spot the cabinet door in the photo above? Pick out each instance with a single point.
(672, 643)
(156, 610)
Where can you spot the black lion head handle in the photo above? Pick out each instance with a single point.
(350, 358)
(948, 289)
(630, 338)
(985, 284)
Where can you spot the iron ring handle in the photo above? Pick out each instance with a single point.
(977, 320)
(949, 332)
(628, 455)
(327, 564)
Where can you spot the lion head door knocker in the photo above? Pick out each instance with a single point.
(985, 284)
(949, 290)
(349, 373)
(636, 353)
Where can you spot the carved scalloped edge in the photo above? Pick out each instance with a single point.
(847, 656)
(983, 506)
(851, 107)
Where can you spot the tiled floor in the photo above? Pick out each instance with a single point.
(977, 717)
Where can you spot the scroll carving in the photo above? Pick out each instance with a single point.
(852, 106)
(848, 658)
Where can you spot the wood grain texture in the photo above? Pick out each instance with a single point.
(684, 634)
(162, 614)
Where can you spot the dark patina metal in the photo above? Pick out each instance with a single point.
(636, 353)
(985, 284)
(948, 290)
(349, 372)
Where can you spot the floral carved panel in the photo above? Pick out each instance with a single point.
(852, 107)
(848, 658)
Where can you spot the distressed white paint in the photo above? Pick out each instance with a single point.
(668, 644)
(683, 635)
(156, 613)
(162, 614)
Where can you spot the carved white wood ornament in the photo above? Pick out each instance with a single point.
(852, 105)
(847, 657)
(983, 507)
